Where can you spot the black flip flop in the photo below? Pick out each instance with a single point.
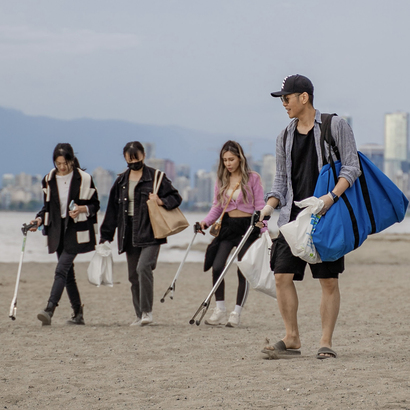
(326, 350)
(280, 351)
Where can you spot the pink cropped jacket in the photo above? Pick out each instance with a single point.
(255, 200)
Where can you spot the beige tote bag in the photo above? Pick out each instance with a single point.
(164, 222)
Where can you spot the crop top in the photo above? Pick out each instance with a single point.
(255, 200)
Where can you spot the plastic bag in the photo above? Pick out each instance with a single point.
(298, 233)
(255, 266)
(100, 268)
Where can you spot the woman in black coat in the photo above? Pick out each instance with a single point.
(127, 211)
(69, 216)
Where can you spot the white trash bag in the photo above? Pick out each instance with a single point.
(298, 233)
(255, 266)
(100, 268)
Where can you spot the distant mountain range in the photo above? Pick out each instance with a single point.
(27, 143)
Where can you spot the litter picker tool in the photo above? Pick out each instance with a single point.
(203, 308)
(171, 288)
(13, 307)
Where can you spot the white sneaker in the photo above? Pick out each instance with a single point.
(136, 322)
(218, 317)
(146, 318)
(233, 320)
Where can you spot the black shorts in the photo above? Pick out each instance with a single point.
(283, 261)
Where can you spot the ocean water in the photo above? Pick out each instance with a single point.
(11, 240)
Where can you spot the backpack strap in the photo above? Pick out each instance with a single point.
(285, 137)
(326, 135)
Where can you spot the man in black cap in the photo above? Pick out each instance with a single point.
(298, 163)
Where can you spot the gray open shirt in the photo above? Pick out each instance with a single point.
(282, 185)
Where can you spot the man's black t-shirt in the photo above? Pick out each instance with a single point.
(304, 168)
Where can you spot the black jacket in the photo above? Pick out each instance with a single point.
(79, 237)
(116, 215)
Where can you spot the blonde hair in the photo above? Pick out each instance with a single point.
(223, 174)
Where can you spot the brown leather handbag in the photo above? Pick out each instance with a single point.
(216, 226)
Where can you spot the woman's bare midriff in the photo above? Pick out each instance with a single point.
(236, 213)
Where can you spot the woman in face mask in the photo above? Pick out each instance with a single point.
(127, 211)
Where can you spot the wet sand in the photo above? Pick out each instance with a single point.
(173, 365)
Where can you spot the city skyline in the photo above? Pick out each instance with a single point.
(197, 187)
(23, 191)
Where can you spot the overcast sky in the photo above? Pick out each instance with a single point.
(207, 65)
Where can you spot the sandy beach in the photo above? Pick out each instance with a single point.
(174, 365)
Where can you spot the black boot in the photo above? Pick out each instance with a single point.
(77, 318)
(45, 315)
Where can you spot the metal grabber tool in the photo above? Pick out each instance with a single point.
(13, 307)
(197, 228)
(205, 304)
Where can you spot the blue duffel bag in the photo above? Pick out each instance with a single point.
(371, 204)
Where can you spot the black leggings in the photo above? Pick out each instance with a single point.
(65, 276)
(222, 254)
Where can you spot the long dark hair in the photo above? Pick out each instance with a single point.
(63, 149)
(224, 175)
(132, 149)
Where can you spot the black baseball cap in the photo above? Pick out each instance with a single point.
(294, 84)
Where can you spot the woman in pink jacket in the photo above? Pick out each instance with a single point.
(235, 180)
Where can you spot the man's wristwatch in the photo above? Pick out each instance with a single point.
(334, 197)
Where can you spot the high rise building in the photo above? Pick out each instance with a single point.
(183, 170)
(257, 166)
(164, 165)
(36, 188)
(8, 180)
(205, 183)
(268, 171)
(24, 180)
(183, 185)
(103, 180)
(149, 148)
(396, 144)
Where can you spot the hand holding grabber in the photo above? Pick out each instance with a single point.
(203, 308)
(13, 307)
(171, 288)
